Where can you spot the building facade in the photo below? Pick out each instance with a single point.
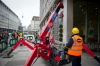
(8, 19)
(29, 28)
(45, 11)
(83, 14)
(35, 23)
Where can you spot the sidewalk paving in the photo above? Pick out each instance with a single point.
(87, 60)
(21, 54)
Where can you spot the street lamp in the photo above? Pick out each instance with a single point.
(22, 22)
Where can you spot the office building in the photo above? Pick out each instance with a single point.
(8, 19)
(83, 14)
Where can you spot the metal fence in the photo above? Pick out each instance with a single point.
(13, 41)
(3, 46)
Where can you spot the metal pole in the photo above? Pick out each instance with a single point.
(22, 23)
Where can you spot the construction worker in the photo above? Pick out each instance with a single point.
(74, 46)
(21, 36)
(36, 37)
(16, 35)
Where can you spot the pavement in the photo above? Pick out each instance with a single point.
(21, 54)
(87, 60)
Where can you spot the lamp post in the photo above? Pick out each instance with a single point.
(22, 22)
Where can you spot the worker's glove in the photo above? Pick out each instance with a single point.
(65, 48)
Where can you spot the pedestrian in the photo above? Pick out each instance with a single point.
(36, 37)
(5, 36)
(16, 35)
(74, 46)
(21, 37)
(0, 36)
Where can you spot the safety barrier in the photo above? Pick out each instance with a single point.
(13, 41)
(3, 46)
(94, 46)
(30, 37)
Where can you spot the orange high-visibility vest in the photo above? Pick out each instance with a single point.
(76, 49)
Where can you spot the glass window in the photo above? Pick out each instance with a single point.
(79, 9)
(92, 21)
(86, 18)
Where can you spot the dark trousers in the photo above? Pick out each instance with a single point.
(36, 39)
(76, 60)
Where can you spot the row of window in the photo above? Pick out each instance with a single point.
(6, 15)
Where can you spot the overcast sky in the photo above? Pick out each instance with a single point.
(25, 8)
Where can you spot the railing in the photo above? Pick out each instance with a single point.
(5, 44)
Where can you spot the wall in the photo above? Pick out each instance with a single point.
(67, 19)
